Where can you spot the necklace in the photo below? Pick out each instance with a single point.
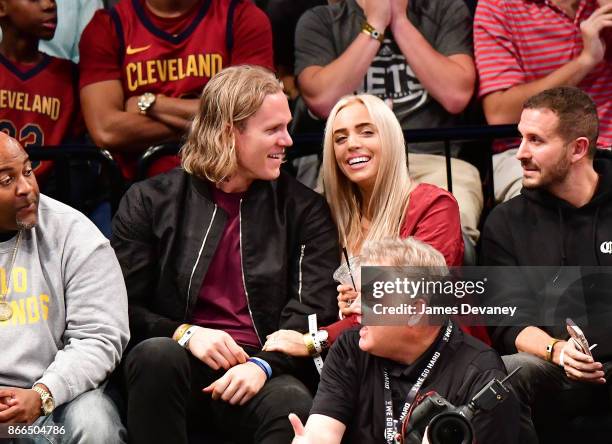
(6, 312)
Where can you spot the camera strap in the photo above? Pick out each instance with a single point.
(392, 434)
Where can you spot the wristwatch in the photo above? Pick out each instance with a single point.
(145, 102)
(47, 403)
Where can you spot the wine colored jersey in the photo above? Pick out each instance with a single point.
(39, 103)
(173, 56)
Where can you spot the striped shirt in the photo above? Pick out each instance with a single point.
(519, 41)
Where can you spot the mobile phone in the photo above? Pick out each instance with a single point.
(576, 333)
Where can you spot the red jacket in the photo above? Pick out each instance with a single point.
(432, 217)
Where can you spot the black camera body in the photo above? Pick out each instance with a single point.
(449, 424)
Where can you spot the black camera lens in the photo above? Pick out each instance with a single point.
(449, 428)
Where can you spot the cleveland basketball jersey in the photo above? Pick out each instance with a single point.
(176, 65)
(38, 103)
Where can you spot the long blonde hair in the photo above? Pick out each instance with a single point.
(228, 100)
(389, 200)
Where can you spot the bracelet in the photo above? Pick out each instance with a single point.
(184, 339)
(309, 343)
(180, 331)
(369, 30)
(262, 365)
(550, 348)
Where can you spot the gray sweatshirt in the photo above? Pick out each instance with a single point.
(70, 320)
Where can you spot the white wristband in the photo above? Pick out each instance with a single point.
(184, 340)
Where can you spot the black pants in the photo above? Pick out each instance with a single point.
(541, 380)
(166, 405)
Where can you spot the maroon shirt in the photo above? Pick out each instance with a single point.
(222, 302)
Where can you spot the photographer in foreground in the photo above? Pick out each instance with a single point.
(350, 404)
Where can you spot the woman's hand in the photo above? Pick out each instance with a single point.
(290, 342)
(349, 300)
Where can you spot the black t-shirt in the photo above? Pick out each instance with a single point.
(351, 388)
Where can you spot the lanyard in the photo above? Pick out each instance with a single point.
(392, 435)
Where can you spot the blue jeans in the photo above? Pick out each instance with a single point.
(90, 418)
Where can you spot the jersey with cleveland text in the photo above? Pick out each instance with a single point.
(38, 102)
(176, 56)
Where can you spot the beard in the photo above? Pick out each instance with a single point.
(30, 222)
(26, 225)
(554, 175)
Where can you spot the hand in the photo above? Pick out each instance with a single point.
(594, 47)
(238, 385)
(4, 403)
(290, 342)
(216, 349)
(298, 430)
(349, 300)
(378, 13)
(581, 367)
(23, 405)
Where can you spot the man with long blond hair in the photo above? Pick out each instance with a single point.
(216, 256)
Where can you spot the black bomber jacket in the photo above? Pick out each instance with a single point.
(167, 229)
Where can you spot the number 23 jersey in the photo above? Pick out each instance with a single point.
(39, 102)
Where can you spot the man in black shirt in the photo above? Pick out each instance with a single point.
(350, 403)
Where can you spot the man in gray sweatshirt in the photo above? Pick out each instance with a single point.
(63, 314)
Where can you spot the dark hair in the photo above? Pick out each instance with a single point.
(576, 111)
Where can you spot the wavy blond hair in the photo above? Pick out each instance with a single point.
(228, 100)
(389, 200)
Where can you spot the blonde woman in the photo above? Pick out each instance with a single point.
(371, 196)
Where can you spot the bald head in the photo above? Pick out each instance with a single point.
(7, 142)
(18, 188)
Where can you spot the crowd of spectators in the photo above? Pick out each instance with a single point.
(128, 75)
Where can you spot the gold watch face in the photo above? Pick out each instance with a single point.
(48, 405)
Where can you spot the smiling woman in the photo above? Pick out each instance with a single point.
(371, 196)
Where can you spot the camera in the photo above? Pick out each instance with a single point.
(447, 424)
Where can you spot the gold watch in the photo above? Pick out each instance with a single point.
(145, 102)
(47, 404)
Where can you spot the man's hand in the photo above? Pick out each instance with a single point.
(581, 367)
(4, 403)
(23, 405)
(216, 349)
(238, 385)
(349, 300)
(290, 342)
(298, 430)
(593, 45)
(378, 13)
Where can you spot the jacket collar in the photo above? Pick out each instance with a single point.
(202, 186)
